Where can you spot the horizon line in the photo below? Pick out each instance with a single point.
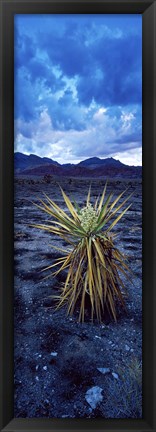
(82, 160)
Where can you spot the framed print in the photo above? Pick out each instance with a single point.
(77, 215)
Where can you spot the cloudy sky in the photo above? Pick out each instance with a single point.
(78, 86)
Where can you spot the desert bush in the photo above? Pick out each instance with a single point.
(94, 264)
(124, 396)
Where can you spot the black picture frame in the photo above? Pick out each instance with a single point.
(7, 10)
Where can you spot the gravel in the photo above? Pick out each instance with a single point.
(57, 359)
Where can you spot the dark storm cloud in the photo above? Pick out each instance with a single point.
(108, 69)
(82, 74)
(133, 137)
(118, 62)
(25, 48)
(64, 53)
(26, 97)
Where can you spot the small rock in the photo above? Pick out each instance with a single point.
(103, 370)
(97, 337)
(40, 355)
(127, 348)
(115, 375)
(54, 354)
(94, 396)
(45, 368)
(37, 367)
(37, 378)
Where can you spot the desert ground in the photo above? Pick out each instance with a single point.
(63, 368)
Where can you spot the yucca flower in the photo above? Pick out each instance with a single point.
(93, 263)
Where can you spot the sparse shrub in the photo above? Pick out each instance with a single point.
(93, 261)
(124, 396)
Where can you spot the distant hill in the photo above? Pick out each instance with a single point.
(96, 162)
(91, 167)
(22, 162)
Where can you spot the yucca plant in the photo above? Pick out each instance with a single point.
(93, 263)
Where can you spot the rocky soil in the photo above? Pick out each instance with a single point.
(64, 368)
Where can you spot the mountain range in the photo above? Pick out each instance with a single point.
(91, 167)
